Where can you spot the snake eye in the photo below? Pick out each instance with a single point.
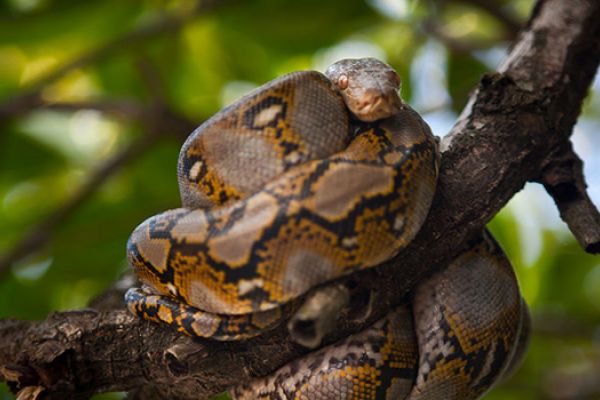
(342, 82)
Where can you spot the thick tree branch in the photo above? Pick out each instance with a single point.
(514, 123)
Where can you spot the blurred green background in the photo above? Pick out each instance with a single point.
(96, 98)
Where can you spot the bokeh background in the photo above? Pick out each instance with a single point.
(96, 98)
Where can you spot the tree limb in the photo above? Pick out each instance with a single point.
(515, 122)
(564, 181)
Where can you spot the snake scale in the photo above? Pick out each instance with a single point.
(309, 178)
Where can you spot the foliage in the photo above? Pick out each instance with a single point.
(47, 153)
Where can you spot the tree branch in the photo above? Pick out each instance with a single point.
(514, 123)
(564, 181)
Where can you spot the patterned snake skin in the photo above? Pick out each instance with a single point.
(460, 337)
(285, 190)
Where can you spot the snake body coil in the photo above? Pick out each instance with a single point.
(459, 339)
(286, 190)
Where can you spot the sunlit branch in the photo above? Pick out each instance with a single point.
(433, 26)
(562, 326)
(574, 383)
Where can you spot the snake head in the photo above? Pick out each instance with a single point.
(370, 88)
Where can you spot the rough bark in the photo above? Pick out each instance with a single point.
(515, 127)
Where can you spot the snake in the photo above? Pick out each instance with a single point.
(465, 330)
(307, 179)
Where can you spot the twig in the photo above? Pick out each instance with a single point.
(564, 181)
(431, 26)
(510, 23)
(152, 79)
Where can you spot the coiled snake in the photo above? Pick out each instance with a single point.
(309, 178)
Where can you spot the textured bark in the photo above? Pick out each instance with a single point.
(564, 181)
(514, 127)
